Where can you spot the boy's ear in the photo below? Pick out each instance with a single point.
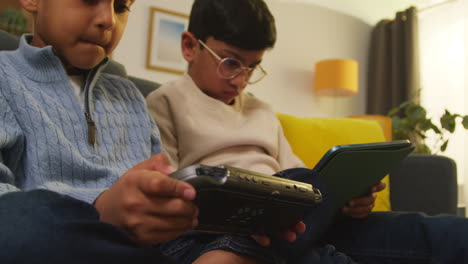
(29, 5)
(189, 46)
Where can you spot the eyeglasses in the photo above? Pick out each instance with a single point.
(229, 68)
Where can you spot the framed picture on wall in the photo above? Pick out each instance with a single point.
(163, 51)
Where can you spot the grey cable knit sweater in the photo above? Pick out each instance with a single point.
(46, 140)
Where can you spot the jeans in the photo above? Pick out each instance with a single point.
(382, 237)
(392, 237)
(45, 227)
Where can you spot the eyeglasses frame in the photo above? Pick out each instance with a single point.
(248, 70)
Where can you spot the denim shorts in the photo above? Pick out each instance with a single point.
(187, 248)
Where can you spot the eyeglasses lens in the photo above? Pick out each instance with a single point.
(230, 68)
(256, 75)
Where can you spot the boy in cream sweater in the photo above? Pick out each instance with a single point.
(206, 117)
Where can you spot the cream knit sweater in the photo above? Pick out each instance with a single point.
(196, 128)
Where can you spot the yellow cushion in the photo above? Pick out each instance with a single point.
(310, 138)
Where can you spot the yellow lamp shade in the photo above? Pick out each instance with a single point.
(336, 77)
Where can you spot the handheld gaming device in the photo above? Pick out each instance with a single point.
(239, 201)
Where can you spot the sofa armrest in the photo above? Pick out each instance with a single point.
(425, 183)
(8, 41)
(145, 86)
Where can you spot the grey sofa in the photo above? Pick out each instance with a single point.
(425, 183)
(421, 183)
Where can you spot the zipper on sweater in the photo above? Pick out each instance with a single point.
(91, 129)
(90, 81)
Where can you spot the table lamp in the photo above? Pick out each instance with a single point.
(336, 77)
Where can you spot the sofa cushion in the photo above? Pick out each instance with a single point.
(311, 138)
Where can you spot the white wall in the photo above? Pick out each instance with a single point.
(465, 190)
(370, 11)
(443, 51)
(306, 33)
(131, 50)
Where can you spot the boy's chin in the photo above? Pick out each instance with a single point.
(83, 65)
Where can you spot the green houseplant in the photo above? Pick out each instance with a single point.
(13, 21)
(411, 121)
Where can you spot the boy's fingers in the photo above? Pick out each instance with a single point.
(290, 236)
(153, 184)
(363, 201)
(357, 213)
(262, 240)
(300, 227)
(379, 187)
(159, 162)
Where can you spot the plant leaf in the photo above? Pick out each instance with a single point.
(444, 146)
(410, 121)
(426, 124)
(465, 122)
(420, 134)
(415, 114)
(422, 149)
(436, 129)
(448, 121)
(405, 104)
(393, 111)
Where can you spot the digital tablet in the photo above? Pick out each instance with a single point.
(349, 171)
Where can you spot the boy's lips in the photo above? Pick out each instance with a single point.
(231, 93)
(98, 42)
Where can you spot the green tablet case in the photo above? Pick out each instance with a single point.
(349, 171)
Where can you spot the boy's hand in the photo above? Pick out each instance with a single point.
(361, 207)
(289, 235)
(148, 205)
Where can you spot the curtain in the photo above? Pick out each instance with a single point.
(393, 75)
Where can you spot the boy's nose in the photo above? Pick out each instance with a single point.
(240, 80)
(105, 17)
